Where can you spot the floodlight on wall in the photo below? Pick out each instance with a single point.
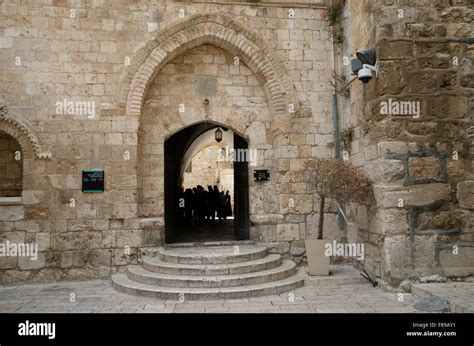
(218, 135)
(367, 56)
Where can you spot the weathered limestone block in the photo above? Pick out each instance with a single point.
(396, 50)
(448, 107)
(28, 263)
(13, 237)
(130, 238)
(280, 247)
(397, 255)
(424, 254)
(385, 129)
(392, 79)
(288, 152)
(53, 258)
(352, 233)
(424, 167)
(15, 276)
(263, 233)
(457, 264)
(43, 239)
(152, 223)
(121, 257)
(47, 275)
(465, 194)
(385, 170)
(108, 239)
(80, 258)
(153, 237)
(88, 274)
(125, 211)
(388, 197)
(86, 211)
(120, 182)
(395, 147)
(437, 219)
(424, 82)
(76, 225)
(362, 217)
(100, 225)
(67, 259)
(297, 248)
(100, 257)
(29, 226)
(76, 240)
(455, 169)
(266, 219)
(302, 203)
(295, 218)
(287, 232)
(422, 128)
(8, 262)
(11, 212)
(258, 131)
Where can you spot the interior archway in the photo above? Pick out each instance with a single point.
(177, 226)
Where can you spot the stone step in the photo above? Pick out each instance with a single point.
(141, 275)
(339, 275)
(208, 244)
(212, 254)
(122, 283)
(156, 265)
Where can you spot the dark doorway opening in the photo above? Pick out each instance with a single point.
(176, 229)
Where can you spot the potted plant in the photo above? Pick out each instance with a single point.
(336, 179)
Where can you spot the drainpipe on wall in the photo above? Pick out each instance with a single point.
(335, 121)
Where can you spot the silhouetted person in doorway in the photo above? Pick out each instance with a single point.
(221, 206)
(228, 205)
(195, 205)
(188, 207)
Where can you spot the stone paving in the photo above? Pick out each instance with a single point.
(460, 295)
(99, 297)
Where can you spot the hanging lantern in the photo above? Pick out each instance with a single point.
(218, 135)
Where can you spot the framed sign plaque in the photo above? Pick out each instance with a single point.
(261, 175)
(93, 181)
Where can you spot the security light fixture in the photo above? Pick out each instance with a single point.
(365, 64)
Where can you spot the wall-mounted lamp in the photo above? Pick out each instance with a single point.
(218, 135)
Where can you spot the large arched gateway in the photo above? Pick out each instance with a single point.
(203, 70)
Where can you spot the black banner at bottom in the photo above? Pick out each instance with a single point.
(220, 329)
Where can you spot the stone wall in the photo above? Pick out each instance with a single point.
(421, 163)
(98, 84)
(83, 86)
(11, 167)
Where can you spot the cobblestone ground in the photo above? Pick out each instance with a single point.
(99, 297)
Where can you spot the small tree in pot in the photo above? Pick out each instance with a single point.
(331, 178)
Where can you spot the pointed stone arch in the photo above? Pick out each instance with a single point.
(25, 137)
(221, 31)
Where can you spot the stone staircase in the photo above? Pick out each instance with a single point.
(209, 272)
